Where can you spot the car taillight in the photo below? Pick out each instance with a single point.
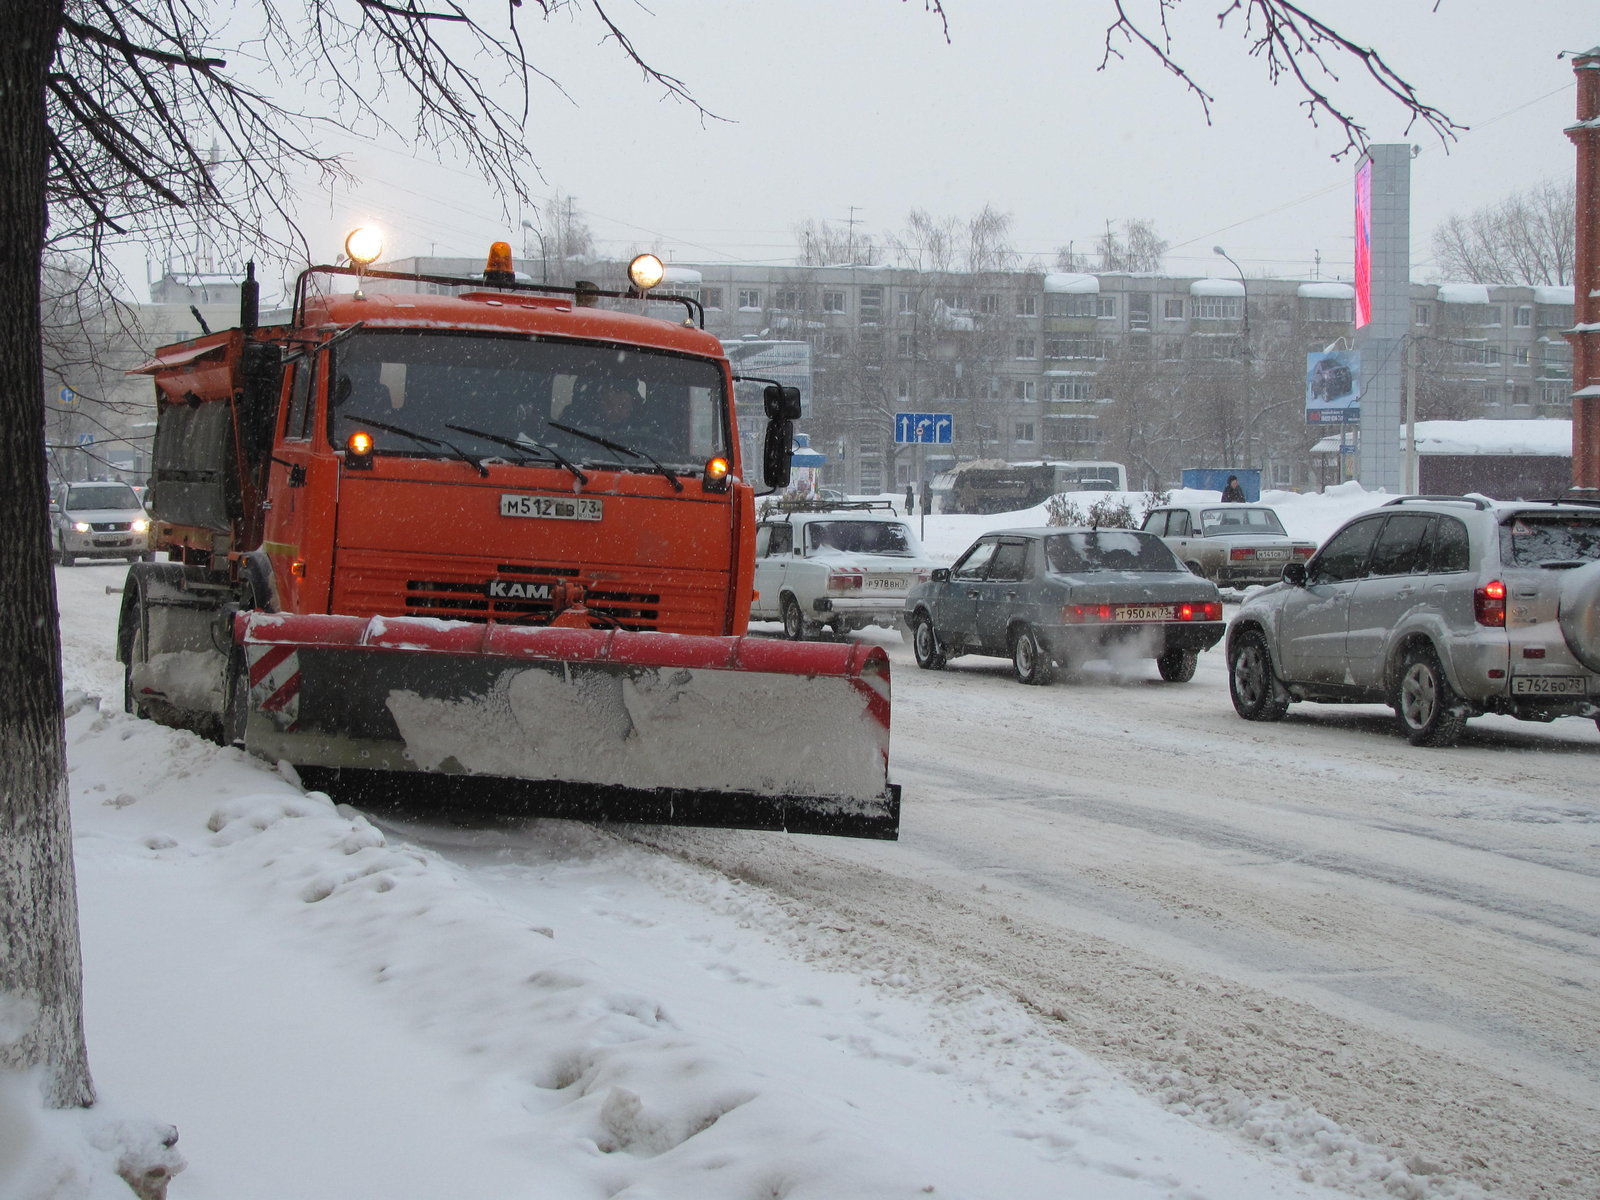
(1240, 552)
(1304, 551)
(839, 581)
(1206, 610)
(1489, 603)
(1080, 614)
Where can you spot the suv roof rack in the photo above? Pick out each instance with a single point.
(794, 506)
(1579, 495)
(1477, 502)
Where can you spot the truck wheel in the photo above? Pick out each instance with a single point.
(1177, 666)
(1424, 702)
(1256, 693)
(925, 643)
(794, 621)
(1029, 658)
(131, 638)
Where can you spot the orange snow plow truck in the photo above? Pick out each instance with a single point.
(493, 539)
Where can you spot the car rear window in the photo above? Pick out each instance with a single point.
(860, 537)
(1535, 539)
(111, 495)
(1107, 550)
(1232, 521)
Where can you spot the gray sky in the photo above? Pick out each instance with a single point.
(841, 107)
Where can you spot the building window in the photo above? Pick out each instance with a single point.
(1328, 309)
(1027, 306)
(989, 303)
(749, 298)
(1075, 347)
(1106, 308)
(1072, 389)
(1071, 304)
(1491, 315)
(908, 302)
(1218, 308)
(1558, 316)
(1172, 308)
(1422, 314)
(789, 300)
(1170, 348)
(1216, 348)
(871, 303)
(904, 344)
(1025, 389)
(902, 388)
(833, 345)
(1024, 432)
(1139, 311)
(1027, 347)
(1519, 356)
(833, 302)
(1524, 316)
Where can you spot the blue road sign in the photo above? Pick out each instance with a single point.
(934, 429)
(86, 439)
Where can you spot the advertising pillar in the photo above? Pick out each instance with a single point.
(1383, 306)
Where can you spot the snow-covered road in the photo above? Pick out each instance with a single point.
(1375, 966)
(1405, 940)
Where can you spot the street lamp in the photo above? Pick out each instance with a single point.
(544, 258)
(1245, 337)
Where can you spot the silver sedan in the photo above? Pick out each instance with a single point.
(1233, 545)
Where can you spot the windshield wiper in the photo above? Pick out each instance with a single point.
(421, 440)
(523, 443)
(618, 448)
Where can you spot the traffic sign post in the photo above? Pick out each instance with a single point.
(919, 430)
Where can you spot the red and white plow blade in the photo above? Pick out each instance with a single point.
(751, 717)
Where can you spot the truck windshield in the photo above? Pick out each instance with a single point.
(453, 387)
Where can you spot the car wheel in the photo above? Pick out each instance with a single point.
(1196, 569)
(1424, 702)
(1177, 665)
(66, 557)
(1029, 657)
(794, 621)
(925, 643)
(1256, 693)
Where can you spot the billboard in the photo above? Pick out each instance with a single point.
(1333, 387)
(1363, 242)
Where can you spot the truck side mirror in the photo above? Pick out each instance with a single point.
(778, 451)
(781, 403)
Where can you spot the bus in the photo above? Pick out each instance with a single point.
(992, 487)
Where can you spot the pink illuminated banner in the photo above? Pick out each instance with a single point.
(1364, 243)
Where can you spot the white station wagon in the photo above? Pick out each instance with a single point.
(839, 566)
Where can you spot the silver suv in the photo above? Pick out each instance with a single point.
(97, 520)
(1444, 608)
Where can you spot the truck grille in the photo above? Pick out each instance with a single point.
(461, 600)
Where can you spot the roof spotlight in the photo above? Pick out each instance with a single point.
(364, 245)
(645, 272)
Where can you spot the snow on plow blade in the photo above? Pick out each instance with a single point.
(735, 732)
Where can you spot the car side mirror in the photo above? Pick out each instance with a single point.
(940, 575)
(1295, 573)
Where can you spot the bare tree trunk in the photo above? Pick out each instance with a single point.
(41, 985)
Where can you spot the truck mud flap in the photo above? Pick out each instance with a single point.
(595, 724)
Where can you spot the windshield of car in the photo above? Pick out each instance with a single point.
(1532, 539)
(1107, 550)
(456, 394)
(1235, 521)
(102, 495)
(860, 537)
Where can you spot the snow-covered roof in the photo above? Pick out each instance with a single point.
(1216, 287)
(1071, 282)
(1463, 293)
(1325, 291)
(1557, 293)
(1549, 436)
(681, 277)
